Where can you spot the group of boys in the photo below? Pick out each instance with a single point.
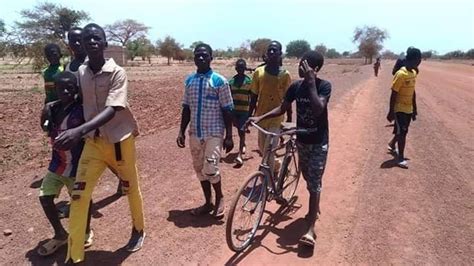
(91, 127)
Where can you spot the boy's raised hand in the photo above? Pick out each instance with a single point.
(309, 73)
(67, 139)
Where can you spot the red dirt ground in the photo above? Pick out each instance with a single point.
(372, 213)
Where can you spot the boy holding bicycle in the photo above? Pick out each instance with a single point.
(311, 95)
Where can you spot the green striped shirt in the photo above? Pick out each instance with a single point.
(241, 95)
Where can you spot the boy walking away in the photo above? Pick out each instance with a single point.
(207, 105)
(311, 95)
(377, 66)
(269, 85)
(110, 130)
(65, 114)
(240, 87)
(401, 62)
(53, 54)
(403, 107)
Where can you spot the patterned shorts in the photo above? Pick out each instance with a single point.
(312, 162)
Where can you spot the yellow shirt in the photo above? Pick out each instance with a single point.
(404, 84)
(271, 91)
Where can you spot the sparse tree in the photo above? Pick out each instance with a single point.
(244, 49)
(426, 54)
(387, 54)
(259, 47)
(194, 44)
(123, 31)
(297, 48)
(369, 40)
(346, 53)
(332, 53)
(321, 48)
(168, 47)
(469, 54)
(458, 54)
(141, 47)
(45, 23)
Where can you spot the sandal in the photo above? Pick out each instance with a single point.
(89, 239)
(51, 246)
(219, 210)
(136, 240)
(239, 161)
(202, 210)
(308, 240)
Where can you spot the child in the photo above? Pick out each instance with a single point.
(377, 66)
(268, 88)
(110, 130)
(65, 113)
(53, 54)
(240, 87)
(207, 104)
(311, 95)
(403, 107)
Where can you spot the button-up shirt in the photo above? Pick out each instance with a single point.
(207, 95)
(108, 87)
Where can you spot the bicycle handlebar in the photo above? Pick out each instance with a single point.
(290, 131)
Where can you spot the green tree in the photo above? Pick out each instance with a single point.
(168, 47)
(258, 47)
(123, 31)
(346, 53)
(426, 54)
(458, 54)
(369, 40)
(141, 47)
(387, 54)
(297, 48)
(332, 53)
(45, 23)
(469, 54)
(194, 44)
(321, 48)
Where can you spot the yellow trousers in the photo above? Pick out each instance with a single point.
(96, 156)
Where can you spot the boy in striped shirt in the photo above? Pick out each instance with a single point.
(240, 88)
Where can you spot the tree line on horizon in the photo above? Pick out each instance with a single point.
(49, 22)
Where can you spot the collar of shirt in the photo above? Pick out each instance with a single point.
(108, 67)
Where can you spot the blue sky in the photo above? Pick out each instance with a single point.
(439, 25)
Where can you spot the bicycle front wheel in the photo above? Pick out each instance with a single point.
(246, 212)
(290, 177)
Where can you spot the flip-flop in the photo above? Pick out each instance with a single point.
(136, 244)
(308, 240)
(51, 246)
(239, 161)
(89, 239)
(201, 210)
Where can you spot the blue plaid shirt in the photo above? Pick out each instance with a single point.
(207, 95)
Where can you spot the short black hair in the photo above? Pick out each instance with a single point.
(64, 77)
(52, 46)
(241, 61)
(93, 25)
(280, 47)
(71, 30)
(315, 59)
(413, 54)
(205, 46)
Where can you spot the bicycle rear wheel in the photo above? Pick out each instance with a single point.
(290, 177)
(246, 212)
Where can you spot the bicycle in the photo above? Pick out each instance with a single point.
(262, 186)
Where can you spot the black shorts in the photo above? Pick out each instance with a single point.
(402, 122)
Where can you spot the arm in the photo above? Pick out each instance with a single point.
(391, 111)
(228, 142)
(273, 113)
(71, 137)
(415, 109)
(289, 112)
(185, 118)
(253, 103)
(318, 103)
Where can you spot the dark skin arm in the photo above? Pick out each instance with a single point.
(415, 109)
(318, 103)
(228, 142)
(253, 103)
(185, 118)
(273, 113)
(71, 137)
(391, 111)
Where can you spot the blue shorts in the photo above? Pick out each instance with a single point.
(239, 120)
(312, 162)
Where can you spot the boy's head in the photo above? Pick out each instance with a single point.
(94, 40)
(203, 56)
(52, 52)
(413, 57)
(315, 61)
(274, 53)
(66, 86)
(74, 38)
(240, 66)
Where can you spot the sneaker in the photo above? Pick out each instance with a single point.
(403, 164)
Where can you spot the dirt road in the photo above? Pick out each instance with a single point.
(372, 212)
